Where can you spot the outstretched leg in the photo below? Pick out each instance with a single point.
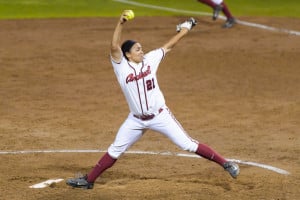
(87, 181)
(127, 135)
(170, 127)
(104, 163)
(206, 152)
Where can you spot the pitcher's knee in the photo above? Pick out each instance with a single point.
(116, 151)
(190, 146)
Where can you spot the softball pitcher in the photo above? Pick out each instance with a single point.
(136, 74)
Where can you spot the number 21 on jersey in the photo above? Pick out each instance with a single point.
(150, 84)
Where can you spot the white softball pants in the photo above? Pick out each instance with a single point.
(165, 123)
(217, 1)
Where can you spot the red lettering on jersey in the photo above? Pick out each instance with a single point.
(141, 75)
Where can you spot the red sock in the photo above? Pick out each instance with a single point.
(208, 2)
(208, 153)
(226, 10)
(104, 163)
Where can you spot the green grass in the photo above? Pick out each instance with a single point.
(16, 9)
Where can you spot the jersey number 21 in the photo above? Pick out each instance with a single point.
(150, 84)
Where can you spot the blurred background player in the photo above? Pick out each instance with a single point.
(218, 6)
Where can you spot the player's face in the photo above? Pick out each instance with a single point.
(136, 53)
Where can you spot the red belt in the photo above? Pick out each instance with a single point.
(147, 117)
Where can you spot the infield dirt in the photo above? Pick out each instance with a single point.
(237, 90)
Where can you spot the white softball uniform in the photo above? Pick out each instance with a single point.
(146, 104)
(217, 1)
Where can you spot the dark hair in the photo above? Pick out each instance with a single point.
(126, 46)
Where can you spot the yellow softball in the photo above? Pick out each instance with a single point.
(129, 14)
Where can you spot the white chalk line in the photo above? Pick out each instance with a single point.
(51, 181)
(264, 166)
(255, 25)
